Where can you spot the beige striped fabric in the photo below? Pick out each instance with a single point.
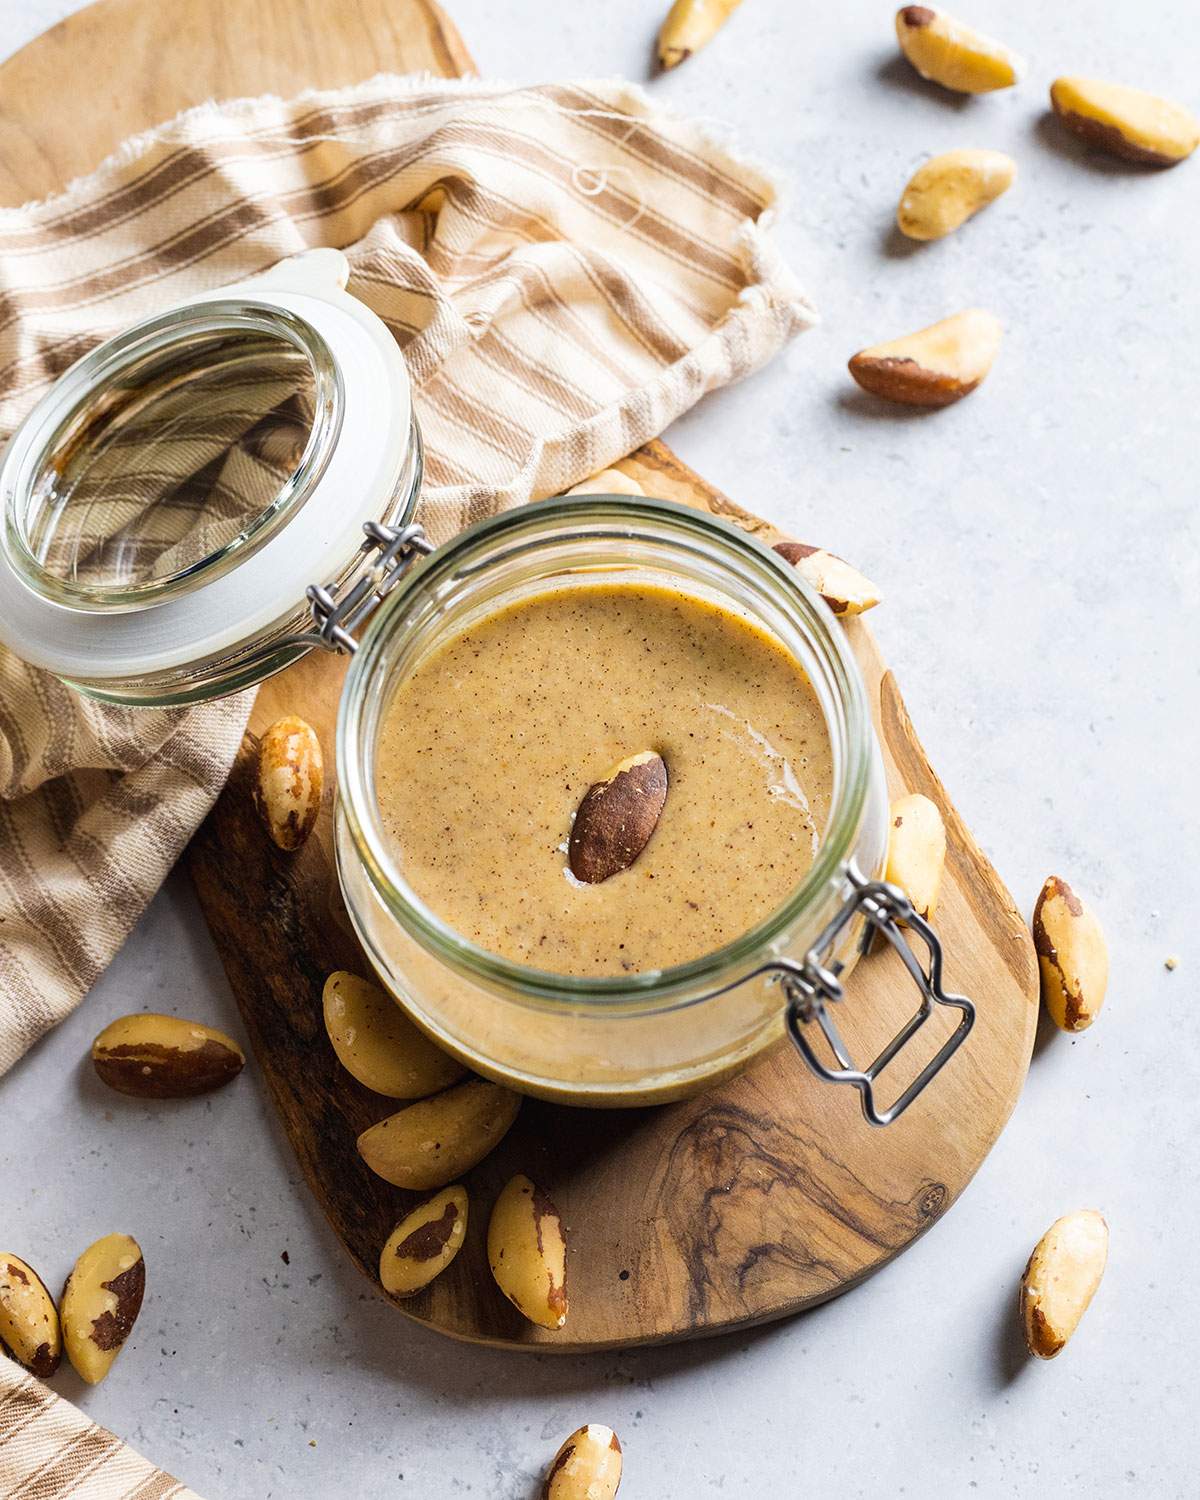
(49, 1450)
(567, 270)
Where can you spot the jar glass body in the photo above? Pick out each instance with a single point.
(641, 1038)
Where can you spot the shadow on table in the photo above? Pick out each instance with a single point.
(474, 1375)
(1011, 1361)
(896, 71)
(893, 245)
(1046, 1036)
(861, 405)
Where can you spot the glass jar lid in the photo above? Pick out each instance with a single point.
(170, 499)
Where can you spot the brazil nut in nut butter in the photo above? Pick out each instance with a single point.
(596, 694)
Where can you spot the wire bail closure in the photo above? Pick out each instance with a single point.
(811, 986)
(386, 556)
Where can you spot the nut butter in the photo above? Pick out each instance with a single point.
(488, 748)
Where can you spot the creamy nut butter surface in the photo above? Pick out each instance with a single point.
(488, 748)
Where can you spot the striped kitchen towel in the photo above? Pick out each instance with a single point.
(567, 270)
(50, 1451)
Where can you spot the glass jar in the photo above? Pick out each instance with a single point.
(647, 1037)
(170, 499)
(230, 483)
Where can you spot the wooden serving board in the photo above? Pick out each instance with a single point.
(762, 1197)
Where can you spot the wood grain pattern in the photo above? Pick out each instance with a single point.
(76, 93)
(765, 1195)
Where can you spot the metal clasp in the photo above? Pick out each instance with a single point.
(811, 986)
(386, 555)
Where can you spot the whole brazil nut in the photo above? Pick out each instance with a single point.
(527, 1251)
(916, 851)
(947, 190)
(586, 1467)
(947, 52)
(424, 1243)
(100, 1304)
(842, 587)
(1072, 956)
(1125, 122)
(152, 1056)
(617, 816)
(607, 482)
(690, 25)
(935, 366)
(289, 780)
(1061, 1279)
(29, 1325)
(430, 1143)
(377, 1043)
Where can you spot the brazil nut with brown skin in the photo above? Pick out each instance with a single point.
(100, 1304)
(617, 817)
(289, 781)
(935, 366)
(1072, 956)
(152, 1056)
(842, 587)
(1061, 1279)
(690, 25)
(29, 1325)
(586, 1467)
(424, 1243)
(1126, 122)
(946, 51)
(527, 1252)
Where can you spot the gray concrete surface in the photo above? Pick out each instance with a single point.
(1038, 549)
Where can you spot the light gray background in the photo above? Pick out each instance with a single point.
(1038, 550)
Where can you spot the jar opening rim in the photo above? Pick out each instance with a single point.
(609, 516)
(242, 614)
(78, 427)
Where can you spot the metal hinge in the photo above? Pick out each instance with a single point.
(386, 555)
(812, 986)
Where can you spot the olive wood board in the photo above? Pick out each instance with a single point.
(765, 1195)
